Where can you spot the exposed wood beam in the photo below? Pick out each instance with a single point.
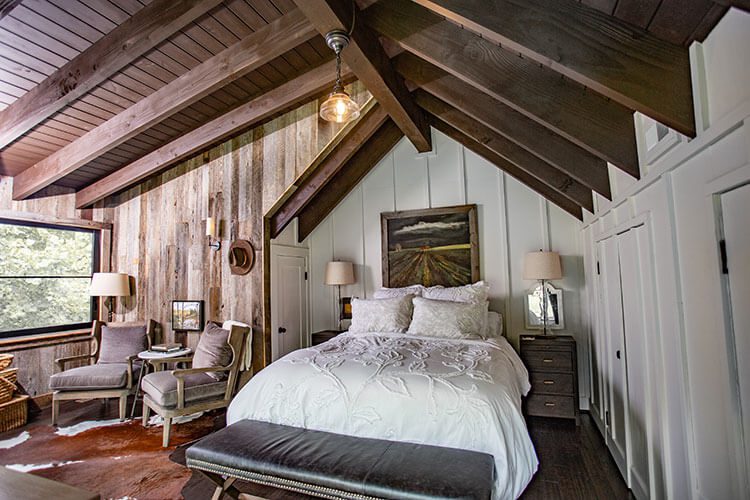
(530, 135)
(323, 168)
(530, 181)
(124, 44)
(533, 165)
(593, 122)
(348, 177)
(300, 89)
(627, 65)
(249, 53)
(366, 57)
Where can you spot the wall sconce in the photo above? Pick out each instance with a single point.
(212, 230)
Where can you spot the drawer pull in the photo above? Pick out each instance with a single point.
(549, 382)
(549, 404)
(547, 360)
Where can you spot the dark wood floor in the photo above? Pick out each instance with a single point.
(573, 462)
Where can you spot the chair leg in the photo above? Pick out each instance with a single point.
(123, 406)
(167, 430)
(55, 410)
(146, 411)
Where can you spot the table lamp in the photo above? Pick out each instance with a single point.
(110, 285)
(339, 273)
(542, 266)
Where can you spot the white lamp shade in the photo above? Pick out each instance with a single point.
(339, 273)
(110, 285)
(542, 266)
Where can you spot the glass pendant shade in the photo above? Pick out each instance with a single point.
(339, 107)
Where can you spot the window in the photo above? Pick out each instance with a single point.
(45, 271)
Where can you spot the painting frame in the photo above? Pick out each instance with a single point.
(467, 245)
(187, 315)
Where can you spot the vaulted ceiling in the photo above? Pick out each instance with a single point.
(97, 95)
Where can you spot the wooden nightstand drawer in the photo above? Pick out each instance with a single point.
(552, 383)
(545, 405)
(547, 360)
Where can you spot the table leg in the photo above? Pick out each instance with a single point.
(138, 388)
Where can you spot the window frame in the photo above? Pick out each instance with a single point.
(96, 252)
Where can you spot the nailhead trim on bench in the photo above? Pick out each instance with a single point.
(274, 481)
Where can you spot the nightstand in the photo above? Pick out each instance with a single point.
(324, 336)
(552, 365)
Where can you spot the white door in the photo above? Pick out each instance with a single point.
(735, 207)
(614, 355)
(289, 299)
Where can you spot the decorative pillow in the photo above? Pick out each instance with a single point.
(120, 342)
(381, 315)
(390, 293)
(213, 350)
(493, 325)
(448, 319)
(478, 292)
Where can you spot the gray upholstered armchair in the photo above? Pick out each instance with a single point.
(209, 384)
(110, 372)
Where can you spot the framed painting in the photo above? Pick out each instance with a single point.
(434, 246)
(187, 315)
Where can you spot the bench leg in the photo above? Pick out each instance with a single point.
(123, 406)
(167, 430)
(223, 486)
(146, 411)
(55, 410)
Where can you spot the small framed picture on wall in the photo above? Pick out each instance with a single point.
(187, 315)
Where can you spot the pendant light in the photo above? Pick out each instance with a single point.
(338, 107)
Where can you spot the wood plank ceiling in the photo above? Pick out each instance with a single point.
(97, 95)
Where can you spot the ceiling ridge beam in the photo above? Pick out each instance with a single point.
(253, 51)
(601, 126)
(531, 164)
(278, 100)
(583, 166)
(326, 169)
(346, 179)
(146, 29)
(511, 169)
(610, 56)
(368, 60)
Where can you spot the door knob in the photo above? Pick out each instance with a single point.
(617, 354)
(282, 329)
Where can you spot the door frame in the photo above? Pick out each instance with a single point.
(288, 251)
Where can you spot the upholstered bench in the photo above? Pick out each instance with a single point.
(337, 466)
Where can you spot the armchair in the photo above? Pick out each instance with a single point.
(108, 372)
(201, 388)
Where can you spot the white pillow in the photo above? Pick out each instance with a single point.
(478, 292)
(447, 319)
(389, 293)
(381, 315)
(493, 326)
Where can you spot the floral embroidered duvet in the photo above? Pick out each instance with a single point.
(456, 393)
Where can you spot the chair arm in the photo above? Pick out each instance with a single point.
(130, 360)
(179, 374)
(62, 361)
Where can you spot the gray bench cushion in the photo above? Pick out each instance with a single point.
(84, 378)
(339, 466)
(162, 387)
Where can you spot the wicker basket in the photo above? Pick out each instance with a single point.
(5, 361)
(8, 379)
(14, 413)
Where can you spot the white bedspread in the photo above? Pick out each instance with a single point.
(456, 393)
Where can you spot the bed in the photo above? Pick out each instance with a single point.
(461, 393)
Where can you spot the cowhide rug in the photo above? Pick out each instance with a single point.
(117, 460)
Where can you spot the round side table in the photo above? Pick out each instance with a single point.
(156, 359)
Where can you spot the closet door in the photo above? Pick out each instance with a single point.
(632, 278)
(735, 207)
(614, 355)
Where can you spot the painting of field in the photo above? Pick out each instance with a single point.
(429, 248)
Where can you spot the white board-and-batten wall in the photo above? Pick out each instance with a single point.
(513, 220)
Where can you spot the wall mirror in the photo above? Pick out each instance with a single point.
(534, 302)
